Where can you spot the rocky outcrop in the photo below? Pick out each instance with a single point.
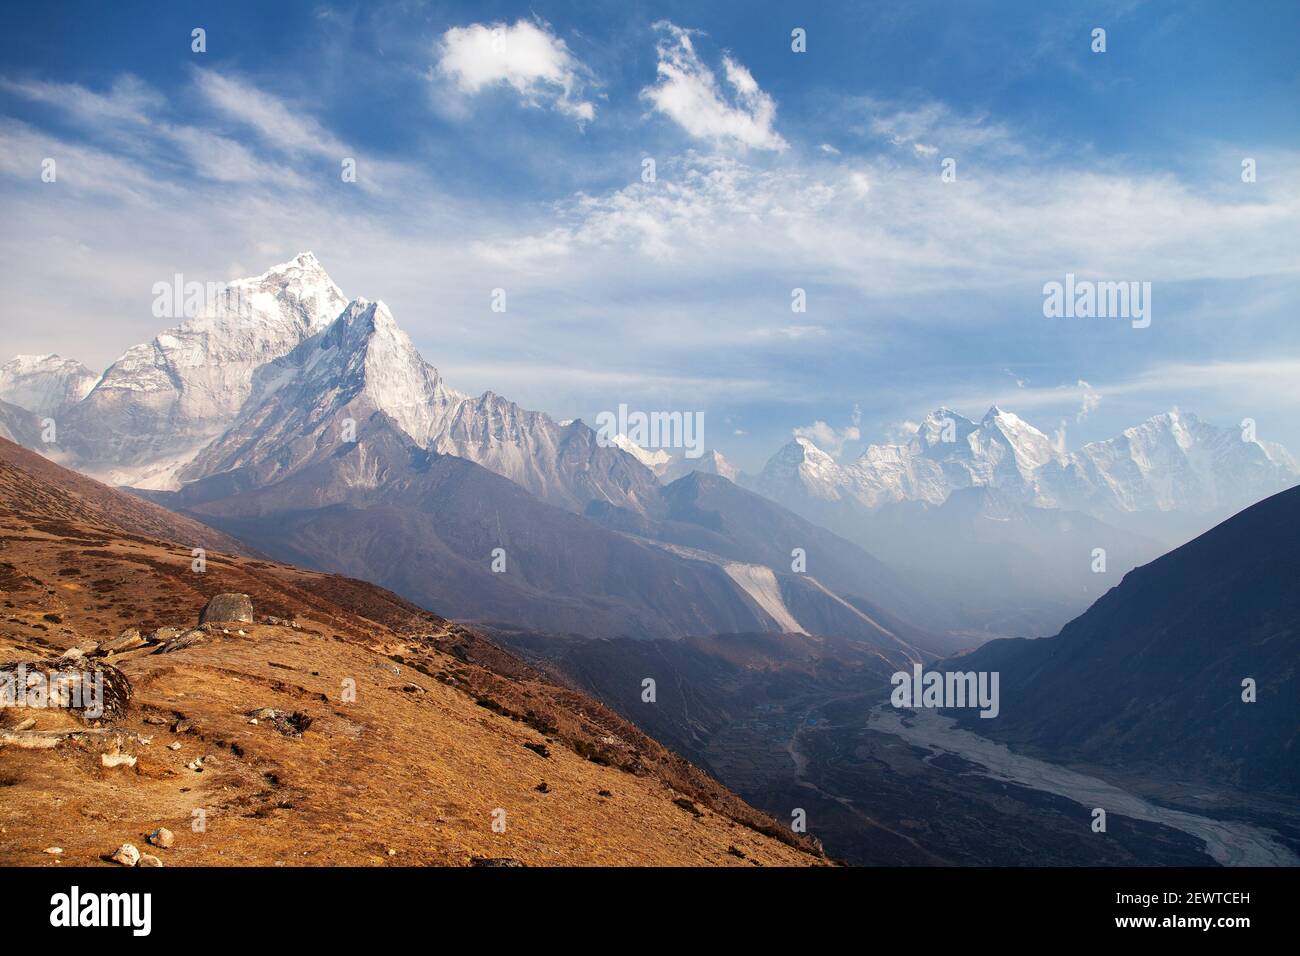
(92, 692)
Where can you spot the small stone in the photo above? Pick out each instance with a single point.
(162, 837)
(148, 859)
(72, 654)
(126, 641)
(127, 855)
(27, 724)
(392, 852)
(174, 745)
(228, 607)
(180, 642)
(117, 760)
(155, 720)
(53, 850)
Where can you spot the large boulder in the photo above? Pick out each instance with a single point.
(227, 607)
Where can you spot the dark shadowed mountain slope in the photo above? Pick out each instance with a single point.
(1149, 679)
(426, 525)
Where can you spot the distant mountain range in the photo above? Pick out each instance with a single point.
(1172, 462)
(329, 441)
(309, 426)
(997, 510)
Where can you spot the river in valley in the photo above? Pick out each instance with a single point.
(1229, 843)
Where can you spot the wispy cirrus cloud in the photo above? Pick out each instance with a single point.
(930, 127)
(131, 120)
(896, 229)
(280, 125)
(129, 99)
(1265, 382)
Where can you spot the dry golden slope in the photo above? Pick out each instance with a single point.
(433, 744)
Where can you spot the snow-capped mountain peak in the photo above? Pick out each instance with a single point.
(712, 462)
(800, 467)
(301, 282)
(657, 460)
(360, 363)
(44, 384)
(1032, 449)
(943, 426)
(397, 379)
(162, 401)
(363, 363)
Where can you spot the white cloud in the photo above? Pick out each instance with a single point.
(829, 438)
(829, 149)
(900, 433)
(688, 93)
(527, 57)
(1090, 398)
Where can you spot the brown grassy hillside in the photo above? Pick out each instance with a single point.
(445, 727)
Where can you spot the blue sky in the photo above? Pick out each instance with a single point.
(501, 146)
